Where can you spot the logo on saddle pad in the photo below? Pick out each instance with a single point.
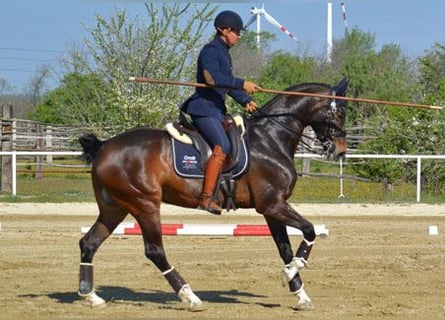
(189, 162)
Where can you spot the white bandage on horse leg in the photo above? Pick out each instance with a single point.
(168, 271)
(304, 302)
(290, 270)
(86, 264)
(186, 295)
(93, 299)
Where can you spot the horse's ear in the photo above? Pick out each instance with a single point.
(340, 88)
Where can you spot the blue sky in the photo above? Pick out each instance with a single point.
(33, 33)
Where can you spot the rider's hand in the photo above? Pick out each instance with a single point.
(250, 87)
(251, 106)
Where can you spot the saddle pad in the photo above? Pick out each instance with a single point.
(187, 160)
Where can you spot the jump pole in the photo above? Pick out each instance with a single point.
(191, 229)
(291, 93)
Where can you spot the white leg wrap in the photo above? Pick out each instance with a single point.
(186, 295)
(93, 299)
(168, 271)
(290, 270)
(86, 264)
(304, 302)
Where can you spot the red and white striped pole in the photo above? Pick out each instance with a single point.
(329, 33)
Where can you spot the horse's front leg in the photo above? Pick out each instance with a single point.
(293, 264)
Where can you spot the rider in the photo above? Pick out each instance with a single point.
(207, 107)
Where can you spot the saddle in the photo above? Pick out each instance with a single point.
(191, 153)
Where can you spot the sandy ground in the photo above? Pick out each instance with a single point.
(378, 262)
(305, 209)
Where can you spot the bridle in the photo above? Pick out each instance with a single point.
(333, 132)
(327, 138)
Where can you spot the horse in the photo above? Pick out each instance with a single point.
(132, 172)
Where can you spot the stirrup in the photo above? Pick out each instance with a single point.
(215, 209)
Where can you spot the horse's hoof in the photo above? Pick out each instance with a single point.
(186, 295)
(93, 300)
(304, 306)
(196, 306)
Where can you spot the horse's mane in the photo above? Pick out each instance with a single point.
(309, 87)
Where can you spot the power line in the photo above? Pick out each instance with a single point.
(25, 59)
(18, 70)
(31, 50)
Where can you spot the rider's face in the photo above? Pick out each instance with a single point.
(231, 36)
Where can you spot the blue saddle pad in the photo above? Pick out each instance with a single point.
(187, 160)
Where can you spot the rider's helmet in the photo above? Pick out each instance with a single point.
(229, 19)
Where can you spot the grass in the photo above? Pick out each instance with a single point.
(327, 190)
(51, 189)
(78, 188)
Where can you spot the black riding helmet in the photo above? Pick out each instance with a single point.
(228, 19)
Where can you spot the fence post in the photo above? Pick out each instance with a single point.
(419, 179)
(49, 142)
(39, 147)
(6, 143)
(341, 195)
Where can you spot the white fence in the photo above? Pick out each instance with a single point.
(14, 155)
(419, 159)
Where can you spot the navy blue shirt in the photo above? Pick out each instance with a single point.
(214, 59)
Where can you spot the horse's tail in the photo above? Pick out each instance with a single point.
(91, 145)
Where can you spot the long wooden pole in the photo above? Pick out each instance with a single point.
(292, 93)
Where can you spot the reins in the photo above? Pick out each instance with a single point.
(272, 117)
(333, 129)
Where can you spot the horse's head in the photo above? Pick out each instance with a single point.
(310, 106)
(328, 122)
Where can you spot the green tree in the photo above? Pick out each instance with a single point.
(399, 130)
(163, 48)
(248, 58)
(284, 70)
(432, 69)
(161, 43)
(80, 99)
(384, 74)
(432, 80)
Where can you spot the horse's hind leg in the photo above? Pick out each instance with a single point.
(154, 250)
(109, 218)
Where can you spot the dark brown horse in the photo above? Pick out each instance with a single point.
(132, 173)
